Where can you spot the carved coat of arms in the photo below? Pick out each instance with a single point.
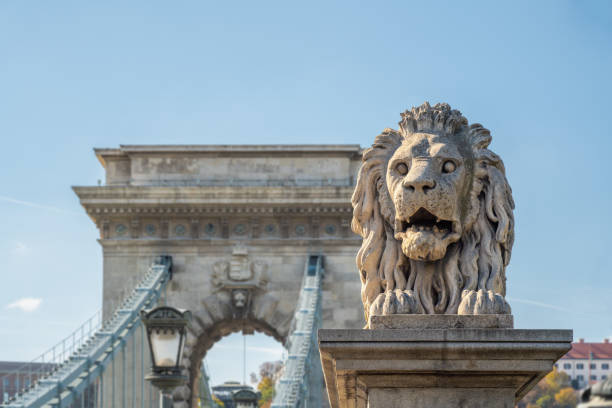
(240, 276)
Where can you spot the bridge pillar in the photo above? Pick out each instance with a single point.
(239, 223)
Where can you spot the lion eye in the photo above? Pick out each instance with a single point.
(448, 166)
(401, 169)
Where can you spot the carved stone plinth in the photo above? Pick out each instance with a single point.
(436, 368)
(406, 321)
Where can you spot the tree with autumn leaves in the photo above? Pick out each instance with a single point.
(553, 391)
(269, 374)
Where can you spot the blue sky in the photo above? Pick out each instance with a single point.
(77, 75)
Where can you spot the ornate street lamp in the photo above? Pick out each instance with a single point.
(166, 329)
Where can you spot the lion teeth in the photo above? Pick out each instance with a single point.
(435, 229)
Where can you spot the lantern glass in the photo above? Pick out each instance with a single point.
(165, 345)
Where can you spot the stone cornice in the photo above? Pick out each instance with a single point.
(124, 151)
(213, 195)
(267, 149)
(221, 210)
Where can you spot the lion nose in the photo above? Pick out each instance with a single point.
(420, 185)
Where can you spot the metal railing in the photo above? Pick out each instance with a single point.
(301, 367)
(26, 376)
(205, 395)
(79, 361)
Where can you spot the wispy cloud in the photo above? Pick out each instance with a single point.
(39, 322)
(26, 304)
(35, 205)
(268, 350)
(539, 304)
(20, 248)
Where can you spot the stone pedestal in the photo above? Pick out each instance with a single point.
(489, 367)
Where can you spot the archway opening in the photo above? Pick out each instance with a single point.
(235, 355)
(242, 361)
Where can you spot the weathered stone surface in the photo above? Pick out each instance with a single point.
(441, 397)
(406, 321)
(434, 208)
(437, 368)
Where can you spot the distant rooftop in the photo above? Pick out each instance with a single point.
(582, 350)
(15, 365)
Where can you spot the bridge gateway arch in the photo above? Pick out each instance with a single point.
(242, 225)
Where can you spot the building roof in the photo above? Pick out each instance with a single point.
(10, 366)
(245, 396)
(231, 150)
(583, 350)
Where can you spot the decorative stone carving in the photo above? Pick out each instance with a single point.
(176, 223)
(180, 230)
(163, 228)
(239, 265)
(195, 228)
(224, 228)
(284, 222)
(240, 298)
(135, 228)
(345, 226)
(120, 230)
(314, 227)
(150, 230)
(434, 208)
(209, 229)
(105, 229)
(255, 228)
(241, 278)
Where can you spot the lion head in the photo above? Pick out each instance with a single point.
(434, 208)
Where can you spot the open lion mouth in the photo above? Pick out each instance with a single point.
(423, 220)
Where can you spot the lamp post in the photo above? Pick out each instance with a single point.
(166, 329)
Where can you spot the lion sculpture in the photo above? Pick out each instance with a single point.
(434, 209)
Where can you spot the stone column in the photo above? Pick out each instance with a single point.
(437, 361)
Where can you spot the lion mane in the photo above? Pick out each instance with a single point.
(474, 264)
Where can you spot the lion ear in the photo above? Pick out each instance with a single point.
(480, 137)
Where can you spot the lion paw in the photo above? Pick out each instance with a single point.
(395, 302)
(482, 302)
